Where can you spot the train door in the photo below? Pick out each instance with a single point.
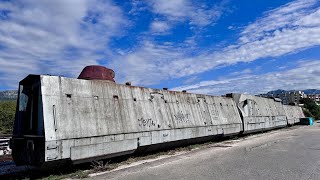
(28, 136)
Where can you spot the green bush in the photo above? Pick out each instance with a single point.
(307, 113)
(313, 110)
(7, 114)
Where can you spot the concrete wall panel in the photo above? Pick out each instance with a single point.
(293, 113)
(101, 149)
(93, 118)
(260, 113)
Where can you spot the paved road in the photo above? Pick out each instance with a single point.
(292, 153)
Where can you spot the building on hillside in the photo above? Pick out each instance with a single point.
(287, 97)
(315, 97)
(295, 96)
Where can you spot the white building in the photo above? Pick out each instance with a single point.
(287, 97)
(315, 97)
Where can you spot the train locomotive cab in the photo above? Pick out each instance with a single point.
(28, 139)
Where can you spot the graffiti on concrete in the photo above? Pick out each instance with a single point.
(146, 122)
(182, 118)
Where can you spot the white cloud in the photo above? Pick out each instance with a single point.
(60, 37)
(173, 9)
(269, 36)
(192, 79)
(57, 37)
(284, 17)
(305, 76)
(159, 27)
(175, 12)
(145, 65)
(185, 10)
(243, 72)
(290, 28)
(137, 6)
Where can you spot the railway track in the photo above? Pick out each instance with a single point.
(8, 168)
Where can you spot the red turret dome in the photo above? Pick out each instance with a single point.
(95, 72)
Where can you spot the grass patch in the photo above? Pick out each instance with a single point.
(79, 174)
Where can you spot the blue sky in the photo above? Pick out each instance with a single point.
(210, 47)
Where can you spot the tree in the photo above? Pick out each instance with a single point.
(312, 107)
(7, 115)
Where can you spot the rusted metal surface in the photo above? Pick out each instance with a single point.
(95, 72)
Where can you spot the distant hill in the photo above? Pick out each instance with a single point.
(278, 91)
(8, 95)
(311, 91)
(307, 91)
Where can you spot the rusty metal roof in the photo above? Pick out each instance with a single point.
(95, 72)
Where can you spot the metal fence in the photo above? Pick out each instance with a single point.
(4, 146)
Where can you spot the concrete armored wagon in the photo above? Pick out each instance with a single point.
(259, 113)
(293, 113)
(62, 118)
(92, 117)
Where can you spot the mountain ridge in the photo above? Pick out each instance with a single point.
(306, 91)
(8, 95)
